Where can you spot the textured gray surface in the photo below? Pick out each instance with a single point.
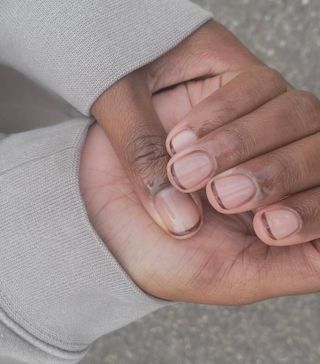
(286, 34)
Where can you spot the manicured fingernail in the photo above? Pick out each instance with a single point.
(233, 191)
(282, 223)
(178, 211)
(182, 140)
(192, 170)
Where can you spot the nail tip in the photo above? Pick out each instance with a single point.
(267, 226)
(174, 180)
(179, 214)
(190, 232)
(284, 233)
(172, 151)
(183, 139)
(216, 195)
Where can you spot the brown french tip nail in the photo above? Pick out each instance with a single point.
(180, 214)
(281, 223)
(191, 171)
(233, 191)
(182, 140)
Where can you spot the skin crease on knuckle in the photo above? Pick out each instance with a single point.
(272, 179)
(177, 213)
(285, 171)
(243, 144)
(265, 81)
(147, 155)
(308, 209)
(217, 118)
(306, 106)
(266, 78)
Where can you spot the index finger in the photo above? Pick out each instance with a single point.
(130, 121)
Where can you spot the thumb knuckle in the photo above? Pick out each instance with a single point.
(147, 154)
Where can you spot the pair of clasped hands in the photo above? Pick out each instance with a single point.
(202, 175)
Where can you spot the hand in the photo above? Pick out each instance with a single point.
(225, 263)
(210, 56)
(255, 145)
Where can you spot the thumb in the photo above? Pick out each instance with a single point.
(127, 115)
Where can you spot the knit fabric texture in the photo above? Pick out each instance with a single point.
(60, 287)
(79, 48)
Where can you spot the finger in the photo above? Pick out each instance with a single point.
(127, 115)
(177, 102)
(283, 120)
(238, 94)
(295, 220)
(267, 179)
(215, 51)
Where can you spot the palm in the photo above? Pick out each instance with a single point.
(224, 263)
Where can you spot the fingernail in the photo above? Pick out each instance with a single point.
(192, 170)
(282, 223)
(178, 211)
(233, 191)
(182, 140)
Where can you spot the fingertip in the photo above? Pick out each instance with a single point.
(190, 170)
(262, 231)
(172, 177)
(169, 145)
(179, 214)
(276, 227)
(215, 201)
(179, 138)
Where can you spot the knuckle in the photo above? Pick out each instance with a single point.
(267, 78)
(308, 98)
(222, 111)
(309, 208)
(146, 154)
(278, 177)
(264, 82)
(306, 105)
(274, 77)
(240, 141)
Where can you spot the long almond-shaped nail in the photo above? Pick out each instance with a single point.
(191, 171)
(233, 191)
(281, 223)
(182, 140)
(178, 211)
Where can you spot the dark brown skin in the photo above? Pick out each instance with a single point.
(225, 262)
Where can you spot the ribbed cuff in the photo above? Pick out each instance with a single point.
(59, 283)
(79, 48)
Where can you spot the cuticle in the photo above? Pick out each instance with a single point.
(189, 231)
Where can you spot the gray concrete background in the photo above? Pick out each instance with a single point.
(285, 34)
